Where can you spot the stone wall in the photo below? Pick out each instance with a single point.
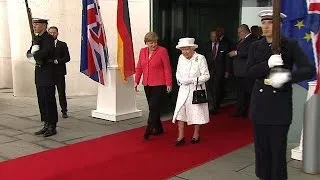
(66, 15)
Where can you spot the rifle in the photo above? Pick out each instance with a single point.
(30, 19)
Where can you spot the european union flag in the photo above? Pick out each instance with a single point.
(298, 25)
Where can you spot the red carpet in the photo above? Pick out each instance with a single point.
(126, 155)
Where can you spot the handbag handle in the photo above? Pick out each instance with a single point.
(198, 77)
(197, 84)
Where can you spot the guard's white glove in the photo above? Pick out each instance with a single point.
(35, 48)
(278, 79)
(275, 60)
(56, 61)
(186, 81)
(31, 59)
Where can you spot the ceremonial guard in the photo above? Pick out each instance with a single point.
(271, 100)
(41, 54)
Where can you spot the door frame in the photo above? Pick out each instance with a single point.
(152, 13)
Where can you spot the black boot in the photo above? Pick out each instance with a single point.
(43, 130)
(51, 131)
(64, 115)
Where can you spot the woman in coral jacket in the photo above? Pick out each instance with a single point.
(154, 65)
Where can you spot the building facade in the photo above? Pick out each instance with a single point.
(170, 18)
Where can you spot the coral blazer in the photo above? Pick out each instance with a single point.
(156, 70)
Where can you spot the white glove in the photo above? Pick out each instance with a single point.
(275, 60)
(56, 61)
(31, 59)
(279, 78)
(186, 81)
(35, 48)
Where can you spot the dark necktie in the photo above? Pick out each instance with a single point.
(240, 41)
(214, 50)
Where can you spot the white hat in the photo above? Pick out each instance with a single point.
(186, 42)
(268, 14)
(40, 20)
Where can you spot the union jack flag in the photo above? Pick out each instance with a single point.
(94, 50)
(314, 11)
(314, 6)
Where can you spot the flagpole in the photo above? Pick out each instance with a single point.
(276, 36)
(276, 27)
(311, 133)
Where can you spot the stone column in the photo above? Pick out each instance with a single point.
(66, 15)
(20, 41)
(5, 57)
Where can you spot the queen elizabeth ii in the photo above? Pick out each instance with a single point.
(192, 72)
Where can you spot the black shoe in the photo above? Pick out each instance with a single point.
(213, 112)
(158, 132)
(50, 132)
(146, 136)
(244, 115)
(240, 115)
(195, 141)
(65, 115)
(158, 129)
(180, 142)
(237, 115)
(147, 133)
(41, 131)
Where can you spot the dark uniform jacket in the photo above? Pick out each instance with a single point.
(240, 61)
(273, 106)
(61, 53)
(44, 70)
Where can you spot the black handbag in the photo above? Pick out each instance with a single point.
(199, 96)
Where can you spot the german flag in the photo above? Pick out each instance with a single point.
(125, 55)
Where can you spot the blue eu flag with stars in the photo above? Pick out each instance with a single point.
(298, 25)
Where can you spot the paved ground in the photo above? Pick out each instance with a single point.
(19, 118)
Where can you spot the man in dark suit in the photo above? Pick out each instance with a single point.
(61, 57)
(216, 52)
(243, 83)
(41, 53)
(256, 31)
(223, 38)
(271, 103)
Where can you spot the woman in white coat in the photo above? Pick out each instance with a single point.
(191, 66)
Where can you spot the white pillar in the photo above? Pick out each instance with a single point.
(117, 100)
(5, 57)
(296, 153)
